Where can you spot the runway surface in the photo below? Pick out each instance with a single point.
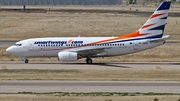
(90, 86)
(82, 65)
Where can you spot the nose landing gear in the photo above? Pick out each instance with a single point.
(24, 59)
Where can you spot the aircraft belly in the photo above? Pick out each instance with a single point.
(118, 51)
(25, 54)
(46, 53)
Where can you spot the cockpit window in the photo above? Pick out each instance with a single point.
(18, 44)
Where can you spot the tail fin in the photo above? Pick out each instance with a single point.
(154, 26)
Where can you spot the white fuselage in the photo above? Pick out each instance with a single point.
(50, 47)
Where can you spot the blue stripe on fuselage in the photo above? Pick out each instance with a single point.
(157, 36)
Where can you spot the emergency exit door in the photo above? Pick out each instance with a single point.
(135, 44)
(31, 45)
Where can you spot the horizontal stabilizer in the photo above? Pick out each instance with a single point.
(160, 39)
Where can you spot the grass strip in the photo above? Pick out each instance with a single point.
(95, 93)
(37, 71)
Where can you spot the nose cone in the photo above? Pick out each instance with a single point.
(10, 50)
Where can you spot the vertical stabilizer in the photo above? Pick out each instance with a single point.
(154, 26)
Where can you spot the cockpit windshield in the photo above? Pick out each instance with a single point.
(17, 44)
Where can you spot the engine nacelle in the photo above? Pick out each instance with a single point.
(67, 56)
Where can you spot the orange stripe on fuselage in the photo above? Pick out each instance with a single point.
(131, 35)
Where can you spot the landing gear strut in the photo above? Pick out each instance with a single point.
(26, 61)
(89, 61)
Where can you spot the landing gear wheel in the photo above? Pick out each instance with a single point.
(89, 61)
(26, 61)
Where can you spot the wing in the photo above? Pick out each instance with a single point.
(90, 50)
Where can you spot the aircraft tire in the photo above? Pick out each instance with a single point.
(89, 61)
(26, 61)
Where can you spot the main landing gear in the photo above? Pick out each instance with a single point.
(89, 61)
(26, 61)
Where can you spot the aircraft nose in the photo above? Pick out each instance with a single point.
(10, 50)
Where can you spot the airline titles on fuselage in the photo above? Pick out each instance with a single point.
(58, 42)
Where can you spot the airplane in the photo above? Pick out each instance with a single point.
(73, 48)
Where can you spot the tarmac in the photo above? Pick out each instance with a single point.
(90, 86)
(14, 86)
(82, 65)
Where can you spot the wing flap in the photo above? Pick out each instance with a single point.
(89, 50)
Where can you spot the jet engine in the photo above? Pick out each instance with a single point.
(67, 56)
